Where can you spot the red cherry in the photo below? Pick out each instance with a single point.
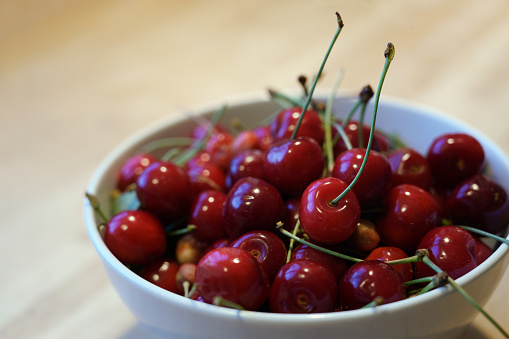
(451, 248)
(455, 157)
(405, 271)
(336, 265)
(482, 251)
(411, 213)
(133, 168)
(264, 137)
(207, 216)
(186, 273)
(285, 122)
(267, 248)
(291, 165)
(303, 286)
(219, 146)
(252, 204)
(135, 237)
(374, 182)
(249, 163)
(367, 280)
(162, 273)
(245, 140)
(479, 201)
(206, 176)
(164, 190)
(324, 222)
(409, 167)
(380, 142)
(234, 275)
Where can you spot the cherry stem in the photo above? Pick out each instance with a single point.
(351, 113)
(484, 233)
(313, 86)
(292, 241)
(96, 205)
(284, 100)
(365, 95)
(194, 149)
(476, 305)
(181, 231)
(389, 55)
(464, 293)
(328, 123)
(376, 302)
(438, 280)
(316, 247)
(190, 292)
(342, 135)
(220, 301)
(418, 281)
(165, 143)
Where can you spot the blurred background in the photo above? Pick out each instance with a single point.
(77, 77)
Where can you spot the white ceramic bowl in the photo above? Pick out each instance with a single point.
(441, 313)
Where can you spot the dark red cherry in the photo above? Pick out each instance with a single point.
(374, 182)
(405, 271)
(303, 286)
(206, 176)
(367, 280)
(223, 242)
(252, 204)
(451, 248)
(336, 265)
(285, 122)
(323, 221)
(455, 157)
(480, 202)
(292, 208)
(411, 213)
(482, 251)
(264, 137)
(248, 163)
(162, 273)
(207, 216)
(135, 237)
(267, 248)
(219, 146)
(234, 275)
(245, 140)
(291, 165)
(132, 169)
(380, 142)
(409, 167)
(164, 190)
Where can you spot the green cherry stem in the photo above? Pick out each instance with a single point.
(464, 293)
(96, 205)
(316, 247)
(292, 241)
(484, 233)
(351, 113)
(220, 301)
(365, 95)
(313, 86)
(284, 100)
(376, 302)
(389, 55)
(329, 149)
(181, 231)
(342, 134)
(476, 305)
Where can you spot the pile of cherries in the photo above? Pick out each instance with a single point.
(221, 226)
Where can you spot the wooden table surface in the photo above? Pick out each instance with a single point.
(77, 77)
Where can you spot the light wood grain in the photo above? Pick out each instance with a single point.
(77, 77)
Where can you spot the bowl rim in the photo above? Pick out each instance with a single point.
(109, 259)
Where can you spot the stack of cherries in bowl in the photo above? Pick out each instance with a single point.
(282, 218)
